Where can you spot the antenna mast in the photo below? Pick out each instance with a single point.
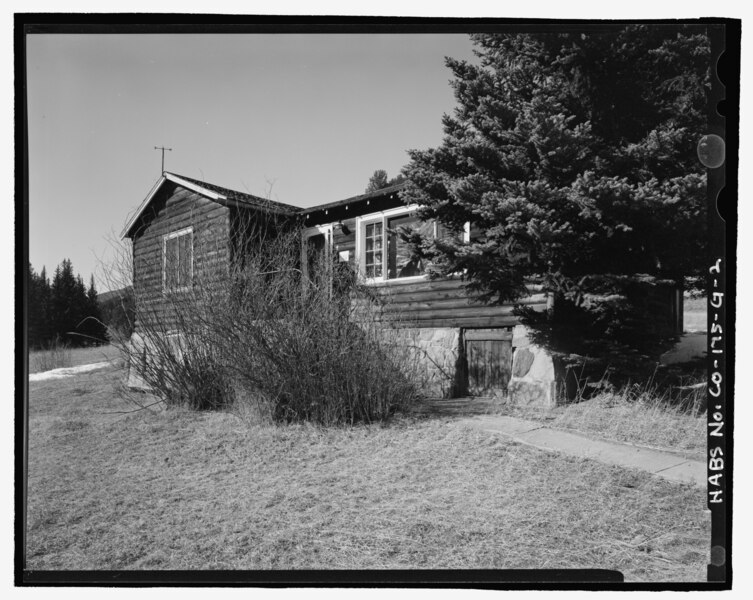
(163, 155)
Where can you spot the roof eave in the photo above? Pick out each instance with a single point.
(355, 199)
(127, 230)
(142, 207)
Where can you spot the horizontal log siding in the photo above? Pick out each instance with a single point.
(445, 303)
(210, 222)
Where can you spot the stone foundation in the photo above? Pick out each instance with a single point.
(438, 349)
(533, 380)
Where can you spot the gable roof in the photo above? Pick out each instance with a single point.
(211, 191)
(249, 199)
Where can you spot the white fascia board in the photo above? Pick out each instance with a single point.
(195, 188)
(175, 179)
(142, 207)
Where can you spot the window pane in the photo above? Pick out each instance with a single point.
(402, 261)
(444, 233)
(372, 249)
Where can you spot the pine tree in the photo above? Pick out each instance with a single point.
(92, 326)
(573, 156)
(35, 315)
(379, 180)
(68, 303)
(45, 292)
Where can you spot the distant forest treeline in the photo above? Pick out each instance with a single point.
(65, 310)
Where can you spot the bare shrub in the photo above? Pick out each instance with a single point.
(256, 329)
(309, 354)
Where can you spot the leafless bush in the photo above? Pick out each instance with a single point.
(256, 329)
(115, 273)
(311, 356)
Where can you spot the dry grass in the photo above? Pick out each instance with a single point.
(646, 421)
(183, 490)
(640, 417)
(55, 356)
(63, 356)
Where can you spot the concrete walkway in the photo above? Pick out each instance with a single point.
(664, 464)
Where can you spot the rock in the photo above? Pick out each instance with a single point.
(521, 362)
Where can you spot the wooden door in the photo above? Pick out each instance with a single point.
(489, 356)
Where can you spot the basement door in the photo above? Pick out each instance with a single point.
(488, 353)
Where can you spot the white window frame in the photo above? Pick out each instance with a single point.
(169, 236)
(383, 217)
(310, 232)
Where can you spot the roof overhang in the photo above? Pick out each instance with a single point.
(211, 194)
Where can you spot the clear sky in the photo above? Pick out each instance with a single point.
(313, 115)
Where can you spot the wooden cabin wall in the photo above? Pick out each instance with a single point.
(431, 303)
(445, 303)
(184, 208)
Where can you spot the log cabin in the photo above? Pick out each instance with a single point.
(185, 228)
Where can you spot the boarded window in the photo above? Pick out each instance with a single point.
(178, 263)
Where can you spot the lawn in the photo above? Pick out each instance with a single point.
(173, 489)
(57, 357)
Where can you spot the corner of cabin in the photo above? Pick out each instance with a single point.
(178, 225)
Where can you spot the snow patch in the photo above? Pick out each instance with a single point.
(67, 371)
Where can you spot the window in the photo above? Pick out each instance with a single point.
(177, 266)
(383, 254)
(374, 250)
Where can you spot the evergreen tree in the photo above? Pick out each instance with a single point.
(35, 314)
(44, 292)
(92, 326)
(64, 310)
(379, 180)
(573, 156)
(68, 303)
